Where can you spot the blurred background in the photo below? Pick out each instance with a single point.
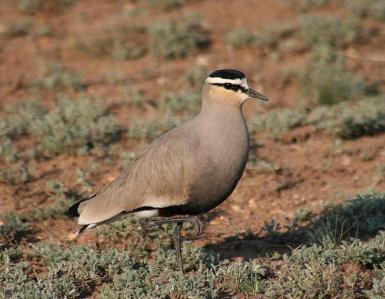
(84, 85)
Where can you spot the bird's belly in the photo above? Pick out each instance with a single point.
(214, 185)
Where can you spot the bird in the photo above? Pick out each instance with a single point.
(185, 172)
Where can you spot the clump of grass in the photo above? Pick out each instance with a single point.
(55, 76)
(35, 6)
(185, 101)
(135, 96)
(316, 271)
(121, 43)
(61, 198)
(196, 76)
(71, 273)
(366, 119)
(8, 152)
(334, 31)
(304, 5)
(70, 127)
(168, 4)
(177, 39)
(74, 125)
(17, 173)
(240, 38)
(279, 122)
(19, 116)
(19, 28)
(366, 8)
(148, 130)
(347, 268)
(211, 278)
(328, 84)
(13, 230)
(378, 289)
(363, 216)
(344, 120)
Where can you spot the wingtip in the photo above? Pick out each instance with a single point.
(73, 210)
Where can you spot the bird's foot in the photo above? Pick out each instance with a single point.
(179, 220)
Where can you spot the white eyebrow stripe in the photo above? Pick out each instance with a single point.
(222, 81)
(217, 80)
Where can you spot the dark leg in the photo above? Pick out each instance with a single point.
(179, 220)
(177, 244)
(198, 226)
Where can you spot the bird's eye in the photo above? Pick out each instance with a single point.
(227, 85)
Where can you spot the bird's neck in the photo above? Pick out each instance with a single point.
(218, 109)
(221, 120)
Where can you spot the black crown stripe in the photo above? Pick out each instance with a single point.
(227, 74)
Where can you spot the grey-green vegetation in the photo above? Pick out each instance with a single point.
(56, 77)
(177, 39)
(240, 38)
(328, 249)
(35, 6)
(72, 126)
(345, 120)
(17, 28)
(196, 76)
(59, 200)
(184, 101)
(119, 42)
(328, 84)
(149, 129)
(366, 8)
(167, 4)
(335, 31)
(304, 5)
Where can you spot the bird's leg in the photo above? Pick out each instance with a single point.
(198, 225)
(177, 245)
(194, 220)
(179, 220)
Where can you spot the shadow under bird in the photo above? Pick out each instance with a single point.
(185, 172)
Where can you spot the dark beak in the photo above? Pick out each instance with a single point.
(256, 95)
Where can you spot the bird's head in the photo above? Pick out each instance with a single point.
(229, 86)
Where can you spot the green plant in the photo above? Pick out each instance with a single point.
(172, 39)
(60, 199)
(17, 173)
(378, 289)
(240, 38)
(149, 129)
(120, 42)
(278, 122)
(196, 76)
(168, 4)
(331, 83)
(74, 125)
(185, 101)
(55, 76)
(366, 8)
(13, 230)
(367, 118)
(19, 116)
(136, 96)
(334, 31)
(21, 27)
(35, 6)
(304, 5)
(362, 216)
